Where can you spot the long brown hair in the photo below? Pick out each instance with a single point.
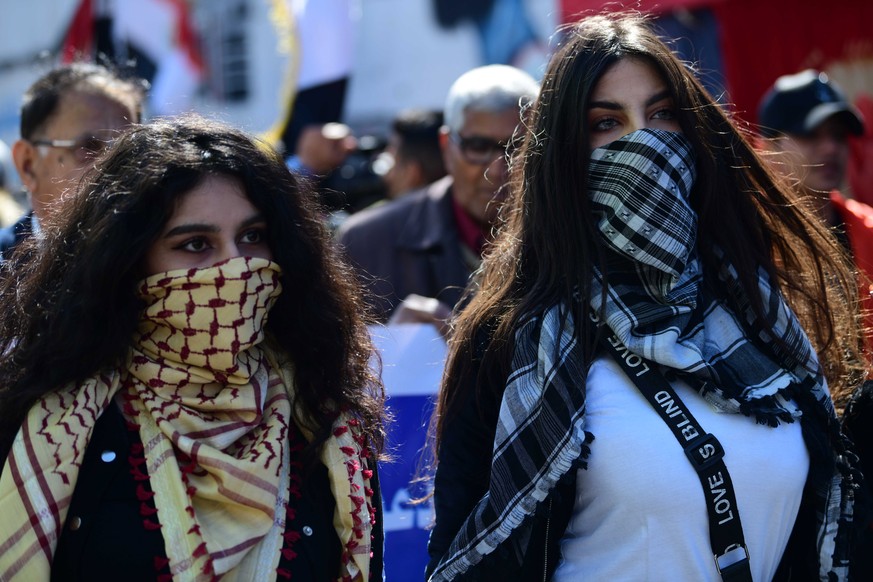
(545, 250)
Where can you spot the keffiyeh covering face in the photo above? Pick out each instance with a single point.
(640, 190)
(657, 304)
(656, 301)
(207, 319)
(212, 409)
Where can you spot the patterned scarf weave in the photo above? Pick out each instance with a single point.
(656, 302)
(657, 305)
(213, 409)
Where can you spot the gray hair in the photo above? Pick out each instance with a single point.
(490, 89)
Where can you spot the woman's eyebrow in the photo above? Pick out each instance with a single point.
(253, 219)
(665, 94)
(616, 106)
(190, 228)
(604, 105)
(193, 227)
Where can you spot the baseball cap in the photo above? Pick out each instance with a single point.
(797, 104)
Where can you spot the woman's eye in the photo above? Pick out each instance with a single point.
(253, 236)
(194, 245)
(665, 114)
(604, 124)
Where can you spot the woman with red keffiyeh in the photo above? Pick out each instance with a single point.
(640, 387)
(187, 392)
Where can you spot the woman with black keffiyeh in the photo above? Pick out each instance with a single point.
(641, 215)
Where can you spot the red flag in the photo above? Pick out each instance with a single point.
(79, 39)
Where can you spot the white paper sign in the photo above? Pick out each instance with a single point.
(413, 357)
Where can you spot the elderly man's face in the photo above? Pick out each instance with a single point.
(87, 120)
(817, 160)
(475, 158)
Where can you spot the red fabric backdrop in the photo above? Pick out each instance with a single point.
(761, 40)
(572, 9)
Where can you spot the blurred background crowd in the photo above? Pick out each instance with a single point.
(353, 94)
(247, 62)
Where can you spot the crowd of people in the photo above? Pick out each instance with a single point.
(655, 321)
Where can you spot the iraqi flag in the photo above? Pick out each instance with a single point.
(156, 34)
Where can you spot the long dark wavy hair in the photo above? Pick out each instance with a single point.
(546, 250)
(69, 304)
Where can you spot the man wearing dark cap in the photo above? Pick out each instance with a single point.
(810, 120)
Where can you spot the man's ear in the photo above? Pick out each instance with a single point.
(415, 175)
(24, 155)
(444, 138)
(445, 148)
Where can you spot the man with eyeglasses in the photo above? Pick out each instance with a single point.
(416, 253)
(67, 117)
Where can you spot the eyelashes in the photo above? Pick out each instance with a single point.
(199, 244)
(606, 123)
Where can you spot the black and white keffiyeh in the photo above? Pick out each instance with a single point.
(657, 304)
(542, 405)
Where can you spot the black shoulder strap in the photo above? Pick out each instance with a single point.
(705, 454)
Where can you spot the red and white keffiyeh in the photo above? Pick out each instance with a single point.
(213, 408)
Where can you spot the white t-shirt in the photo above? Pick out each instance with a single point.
(640, 513)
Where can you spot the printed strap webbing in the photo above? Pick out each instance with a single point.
(705, 454)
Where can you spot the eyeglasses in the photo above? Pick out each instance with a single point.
(482, 150)
(84, 150)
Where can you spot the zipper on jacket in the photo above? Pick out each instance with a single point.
(546, 553)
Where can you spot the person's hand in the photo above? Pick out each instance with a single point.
(418, 309)
(322, 148)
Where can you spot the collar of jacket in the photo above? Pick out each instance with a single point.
(430, 224)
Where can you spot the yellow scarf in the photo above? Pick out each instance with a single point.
(212, 406)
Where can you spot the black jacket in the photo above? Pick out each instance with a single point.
(463, 471)
(409, 245)
(858, 426)
(461, 480)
